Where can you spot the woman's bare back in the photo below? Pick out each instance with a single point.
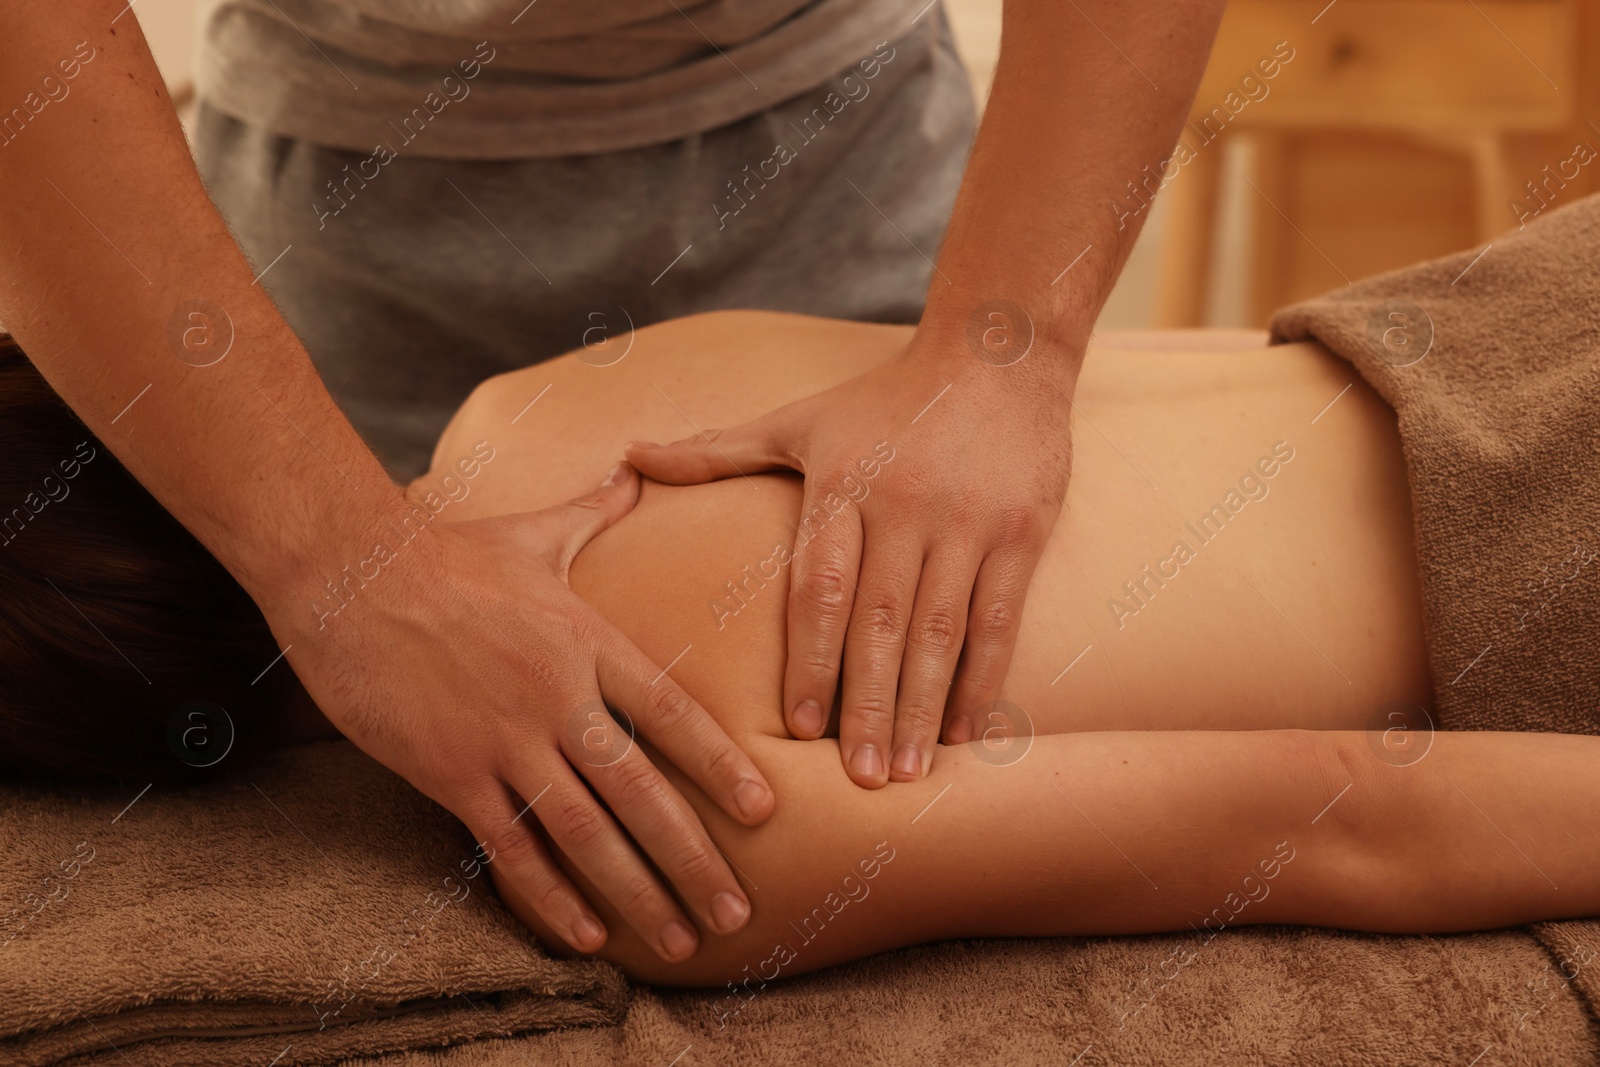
(1235, 551)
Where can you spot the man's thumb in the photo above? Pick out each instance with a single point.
(713, 454)
(576, 522)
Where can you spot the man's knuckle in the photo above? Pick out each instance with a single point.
(818, 664)
(695, 862)
(552, 900)
(917, 491)
(823, 588)
(882, 619)
(723, 762)
(670, 707)
(580, 824)
(919, 718)
(1016, 524)
(514, 845)
(638, 895)
(936, 630)
(874, 713)
(978, 682)
(996, 620)
(635, 781)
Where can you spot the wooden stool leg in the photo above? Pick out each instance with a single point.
(1270, 263)
(1491, 172)
(1191, 227)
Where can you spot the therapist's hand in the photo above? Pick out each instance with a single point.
(931, 485)
(470, 667)
(1077, 135)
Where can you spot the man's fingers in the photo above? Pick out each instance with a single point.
(593, 842)
(761, 445)
(683, 731)
(822, 590)
(663, 824)
(566, 528)
(511, 836)
(992, 624)
(874, 648)
(933, 648)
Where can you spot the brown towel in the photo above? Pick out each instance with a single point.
(1255, 997)
(290, 915)
(1491, 360)
(315, 908)
(1500, 421)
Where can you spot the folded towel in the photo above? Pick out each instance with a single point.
(317, 907)
(1254, 997)
(1491, 360)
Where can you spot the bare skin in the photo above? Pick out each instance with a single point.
(109, 246)
(1182, 752)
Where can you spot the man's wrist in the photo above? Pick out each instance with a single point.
(310, 557)
(1006, 344)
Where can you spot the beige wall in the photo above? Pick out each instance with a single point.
(169, 27)
(1132, 303)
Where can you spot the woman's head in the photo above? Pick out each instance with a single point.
(120, 635)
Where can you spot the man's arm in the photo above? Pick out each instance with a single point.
(1086, 106)
(920, 583)
(466, 665)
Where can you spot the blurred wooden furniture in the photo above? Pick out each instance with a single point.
(1400, 130)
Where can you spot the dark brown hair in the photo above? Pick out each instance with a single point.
(120, 635)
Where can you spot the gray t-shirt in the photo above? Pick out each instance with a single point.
(495, 79)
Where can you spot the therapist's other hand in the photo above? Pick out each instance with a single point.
(484, 688)
(931, 485)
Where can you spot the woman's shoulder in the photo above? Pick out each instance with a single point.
(666, 380)
(749, 334)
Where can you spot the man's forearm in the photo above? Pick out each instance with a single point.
(122, 283)
(1086, 95)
